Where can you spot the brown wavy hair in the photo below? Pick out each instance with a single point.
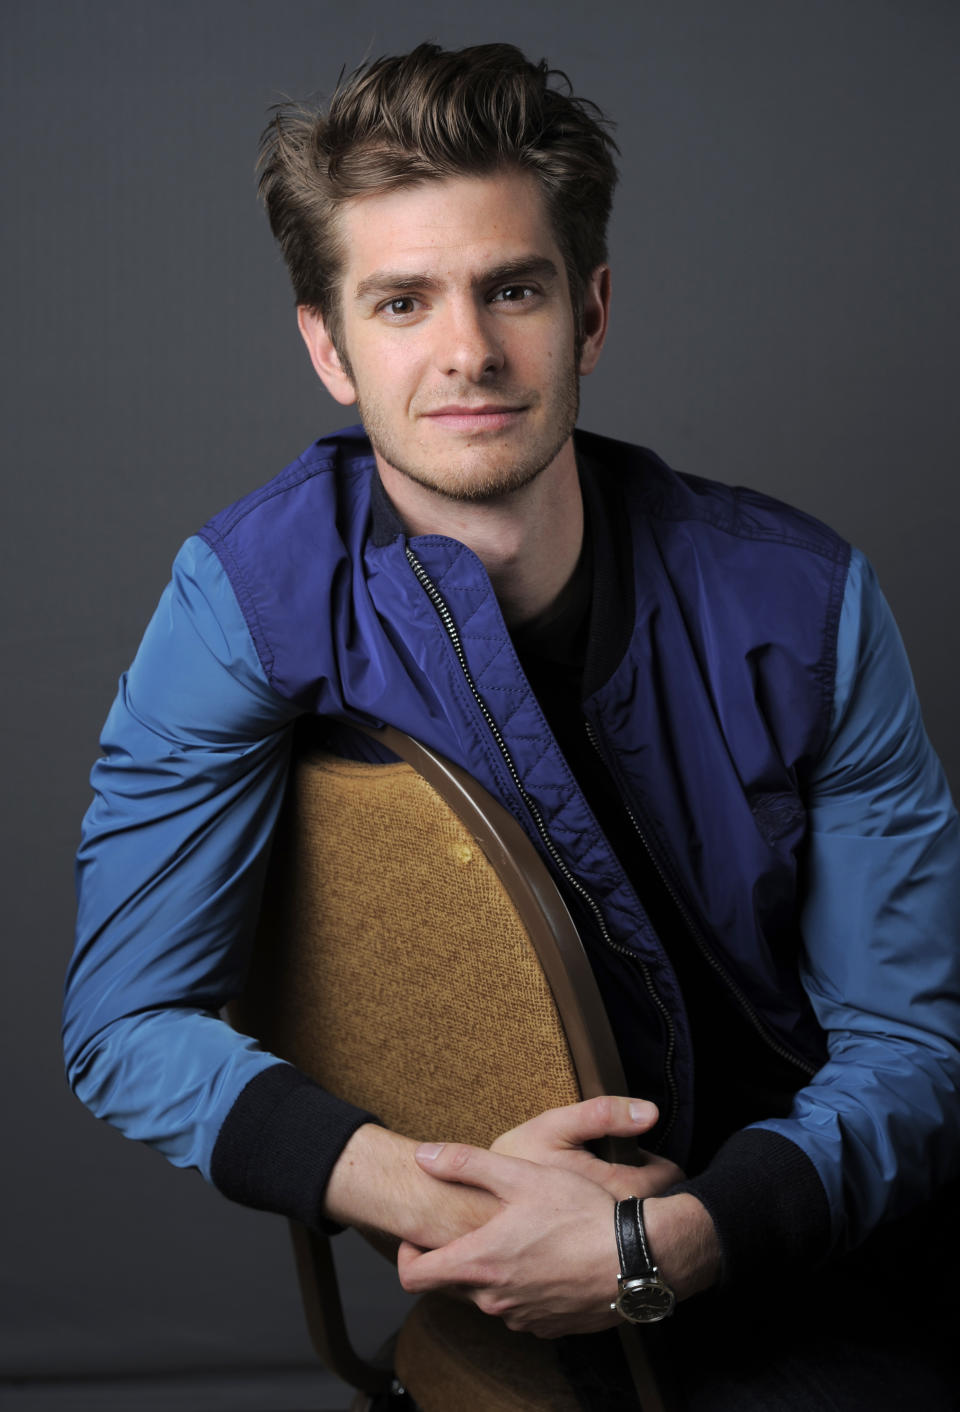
(424, 116)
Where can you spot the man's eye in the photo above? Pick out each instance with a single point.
(515, 294)
(403, 304)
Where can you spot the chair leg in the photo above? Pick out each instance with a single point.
(324, 1314)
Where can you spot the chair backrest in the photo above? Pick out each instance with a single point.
(415, 957)
(406, 882)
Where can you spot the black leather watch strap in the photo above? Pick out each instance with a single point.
(644, 1296)
(636, 1262)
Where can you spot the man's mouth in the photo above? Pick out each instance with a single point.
(487, 416)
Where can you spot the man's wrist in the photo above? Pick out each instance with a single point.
(683, 1242)
(376, 1184)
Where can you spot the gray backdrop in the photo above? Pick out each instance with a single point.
(785, 275)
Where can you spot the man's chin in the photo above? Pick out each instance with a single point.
(471, 484)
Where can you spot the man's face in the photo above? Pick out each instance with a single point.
(458, 333)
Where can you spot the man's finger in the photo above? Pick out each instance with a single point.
(457, 1263)
(407, 1253)
(606, 1116)
(473, 1166)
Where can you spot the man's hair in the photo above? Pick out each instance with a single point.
(398, 121)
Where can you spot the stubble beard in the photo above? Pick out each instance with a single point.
(498, 481)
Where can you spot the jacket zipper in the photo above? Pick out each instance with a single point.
(446, 618)
(695, 933)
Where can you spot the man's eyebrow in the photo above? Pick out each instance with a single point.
(382, 282)
(392, 282)
(532, 267)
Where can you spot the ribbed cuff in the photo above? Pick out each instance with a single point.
(280, 1142)
(767, 1203)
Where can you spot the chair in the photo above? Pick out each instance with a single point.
(407, 881)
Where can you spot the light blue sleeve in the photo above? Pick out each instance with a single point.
(881, 928)
(169, 872)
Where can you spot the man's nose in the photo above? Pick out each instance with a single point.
(469, 345)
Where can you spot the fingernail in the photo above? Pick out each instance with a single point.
(429, 1150)
(642, 1112)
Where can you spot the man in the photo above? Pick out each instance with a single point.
(693, 698)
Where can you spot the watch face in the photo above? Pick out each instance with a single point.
(645, 1301)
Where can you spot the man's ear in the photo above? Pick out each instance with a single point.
(596, 317)
(324, 356)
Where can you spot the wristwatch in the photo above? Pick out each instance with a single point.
(643, 1295)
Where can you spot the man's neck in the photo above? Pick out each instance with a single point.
(528, 541)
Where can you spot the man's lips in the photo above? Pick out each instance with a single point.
(463, 417)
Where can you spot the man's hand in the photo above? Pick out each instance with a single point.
(546, 1262)
(530, 1240)
(556, 1138)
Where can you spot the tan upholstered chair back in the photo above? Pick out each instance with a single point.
(392, 964)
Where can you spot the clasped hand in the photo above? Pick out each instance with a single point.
(546, 1261)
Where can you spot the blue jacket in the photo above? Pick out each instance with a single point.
(756, 710)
